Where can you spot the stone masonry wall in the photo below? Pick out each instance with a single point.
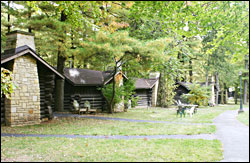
(18, 39)
(24, 106)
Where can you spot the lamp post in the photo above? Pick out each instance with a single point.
(241, 109)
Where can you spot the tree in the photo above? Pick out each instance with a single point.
(118, 48)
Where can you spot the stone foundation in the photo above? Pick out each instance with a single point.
(24, 106)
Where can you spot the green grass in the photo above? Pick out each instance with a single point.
(109, 150)
(81, 126)
(204, 114)
(244, 117)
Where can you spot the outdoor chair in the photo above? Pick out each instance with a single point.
(191, 111)
(87, 106)
(77, 107)
(181, 109)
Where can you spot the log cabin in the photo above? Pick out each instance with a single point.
(33, 98)
(84, 85)
(146, 90)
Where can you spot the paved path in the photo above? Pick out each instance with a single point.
(201, 136)
(124, 119)
(234, 136)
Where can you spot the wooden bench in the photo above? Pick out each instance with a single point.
(92, 110)
(82, 110)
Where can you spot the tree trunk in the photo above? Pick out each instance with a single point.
(207, 78)
(8, 16)
(226, 95)
(245, 82)
(29, 17)
(236, 94)
(218, 88)
(207, 73)
(72, 47)
(190, 71)
(180, 58)
(60, 67)
(222, 95)
(111, 110)
(161, 95)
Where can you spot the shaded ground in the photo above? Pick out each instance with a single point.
(200, 136)
(124, 119)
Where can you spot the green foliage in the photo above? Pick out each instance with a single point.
(128, 92)
(198, 95)
(107, 91)
(6, 83)
(124, 92)
(169, 72)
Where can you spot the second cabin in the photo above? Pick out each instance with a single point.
(146, 90)
(83, 85)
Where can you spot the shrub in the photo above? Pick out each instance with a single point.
(198, 95)
(7, 85)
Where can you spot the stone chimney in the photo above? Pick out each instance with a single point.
(154, 75)
(24, 106)
(18, 38)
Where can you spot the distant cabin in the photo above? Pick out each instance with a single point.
(84, 84)
(183, 88)
(33, 97)
(146, 90)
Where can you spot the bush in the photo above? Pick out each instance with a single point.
(198, 95)
(7, 85)
(126, 91)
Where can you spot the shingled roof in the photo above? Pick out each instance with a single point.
(88, 77)
(84, 76)
(184, 84)
(145, 83)
(11, 54)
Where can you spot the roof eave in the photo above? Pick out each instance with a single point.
(33, 53)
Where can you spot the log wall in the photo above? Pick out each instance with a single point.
(145, 97)
(2, 110)
(47, 89)
(83, 94)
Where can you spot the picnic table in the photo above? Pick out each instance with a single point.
(182, 107)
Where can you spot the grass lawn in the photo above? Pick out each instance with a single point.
(103, 150)
(81, 126)
(108, 150)
(244, 117)
(204, 114)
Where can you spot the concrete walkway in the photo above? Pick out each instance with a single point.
(200, 136)
(124, 119)
(234, 136)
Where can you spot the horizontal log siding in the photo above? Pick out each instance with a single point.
(83, 94)
(2, 110)
(47, 89)
(145, 97)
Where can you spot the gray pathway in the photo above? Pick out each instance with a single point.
(124, 119)
(201, 136)
(234, 136)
